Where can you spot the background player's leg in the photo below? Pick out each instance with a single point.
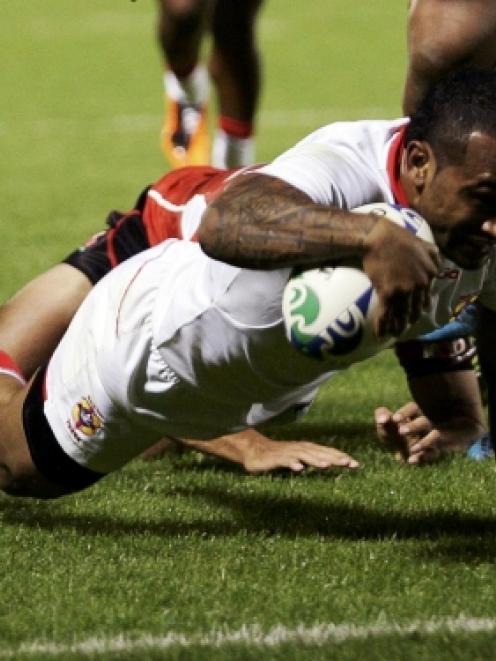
(235, 68)
(180, 29)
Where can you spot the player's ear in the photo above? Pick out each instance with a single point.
(420, 162)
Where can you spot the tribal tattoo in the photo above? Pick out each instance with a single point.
(260, 221)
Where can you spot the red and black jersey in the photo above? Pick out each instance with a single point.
(171, 208)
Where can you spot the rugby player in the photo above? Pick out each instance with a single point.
(170, 208)
(165, 337)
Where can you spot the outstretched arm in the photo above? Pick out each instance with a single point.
(259, 454)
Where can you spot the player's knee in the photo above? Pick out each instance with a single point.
(11, 478)
(26, 482)
(182, 12)
(18, 473)
(5, 477)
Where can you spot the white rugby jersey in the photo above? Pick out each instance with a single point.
(172, 342)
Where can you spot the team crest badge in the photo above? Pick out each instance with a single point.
(86, 419)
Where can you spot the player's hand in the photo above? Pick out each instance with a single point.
(295, 456)
(457, 436)
(414, 440)
(259, 454)
(401, 268)
(399, 429)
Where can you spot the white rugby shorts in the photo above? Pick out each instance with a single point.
(110, 339)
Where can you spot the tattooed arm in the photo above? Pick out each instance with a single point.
(262, 222)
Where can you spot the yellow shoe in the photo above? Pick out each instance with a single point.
(184, 137)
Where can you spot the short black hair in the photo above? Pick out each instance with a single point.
(455, 106)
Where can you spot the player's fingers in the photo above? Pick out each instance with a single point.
(396, 317)
(391, 441)
(382, 415)
(387, 430)
(427, 456)
(296, 455)
(294, 465)
(427, 450)
(267, 465)
(320, 456)
(419, 426)
(342, 460)
(407, 412)
(391, 317)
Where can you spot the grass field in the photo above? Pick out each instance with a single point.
(186, 557)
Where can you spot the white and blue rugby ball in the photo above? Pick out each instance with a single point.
(329, 313)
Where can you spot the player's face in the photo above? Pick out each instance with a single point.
(457, 199)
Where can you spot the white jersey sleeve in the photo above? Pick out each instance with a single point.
(342, 165)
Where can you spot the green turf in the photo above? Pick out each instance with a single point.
(188, 544)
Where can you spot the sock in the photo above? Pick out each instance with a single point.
(236, 128)
(232, 152)
(233, 144)
(192, 88)
(9, 367)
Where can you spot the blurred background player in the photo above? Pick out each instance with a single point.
(234, 67)
(443, 36)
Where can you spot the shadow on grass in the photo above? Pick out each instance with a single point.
(458, 536)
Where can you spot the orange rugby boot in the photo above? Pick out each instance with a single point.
(184, 136)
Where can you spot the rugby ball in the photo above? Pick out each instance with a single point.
(329, 313)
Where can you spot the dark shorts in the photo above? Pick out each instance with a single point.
(124, 237)
(420, 358)
(47, 455)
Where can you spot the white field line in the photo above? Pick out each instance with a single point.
(253, 635)
(143, 123)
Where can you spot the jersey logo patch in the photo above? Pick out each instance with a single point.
(86, 419)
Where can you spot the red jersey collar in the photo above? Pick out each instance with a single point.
(393, 167)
